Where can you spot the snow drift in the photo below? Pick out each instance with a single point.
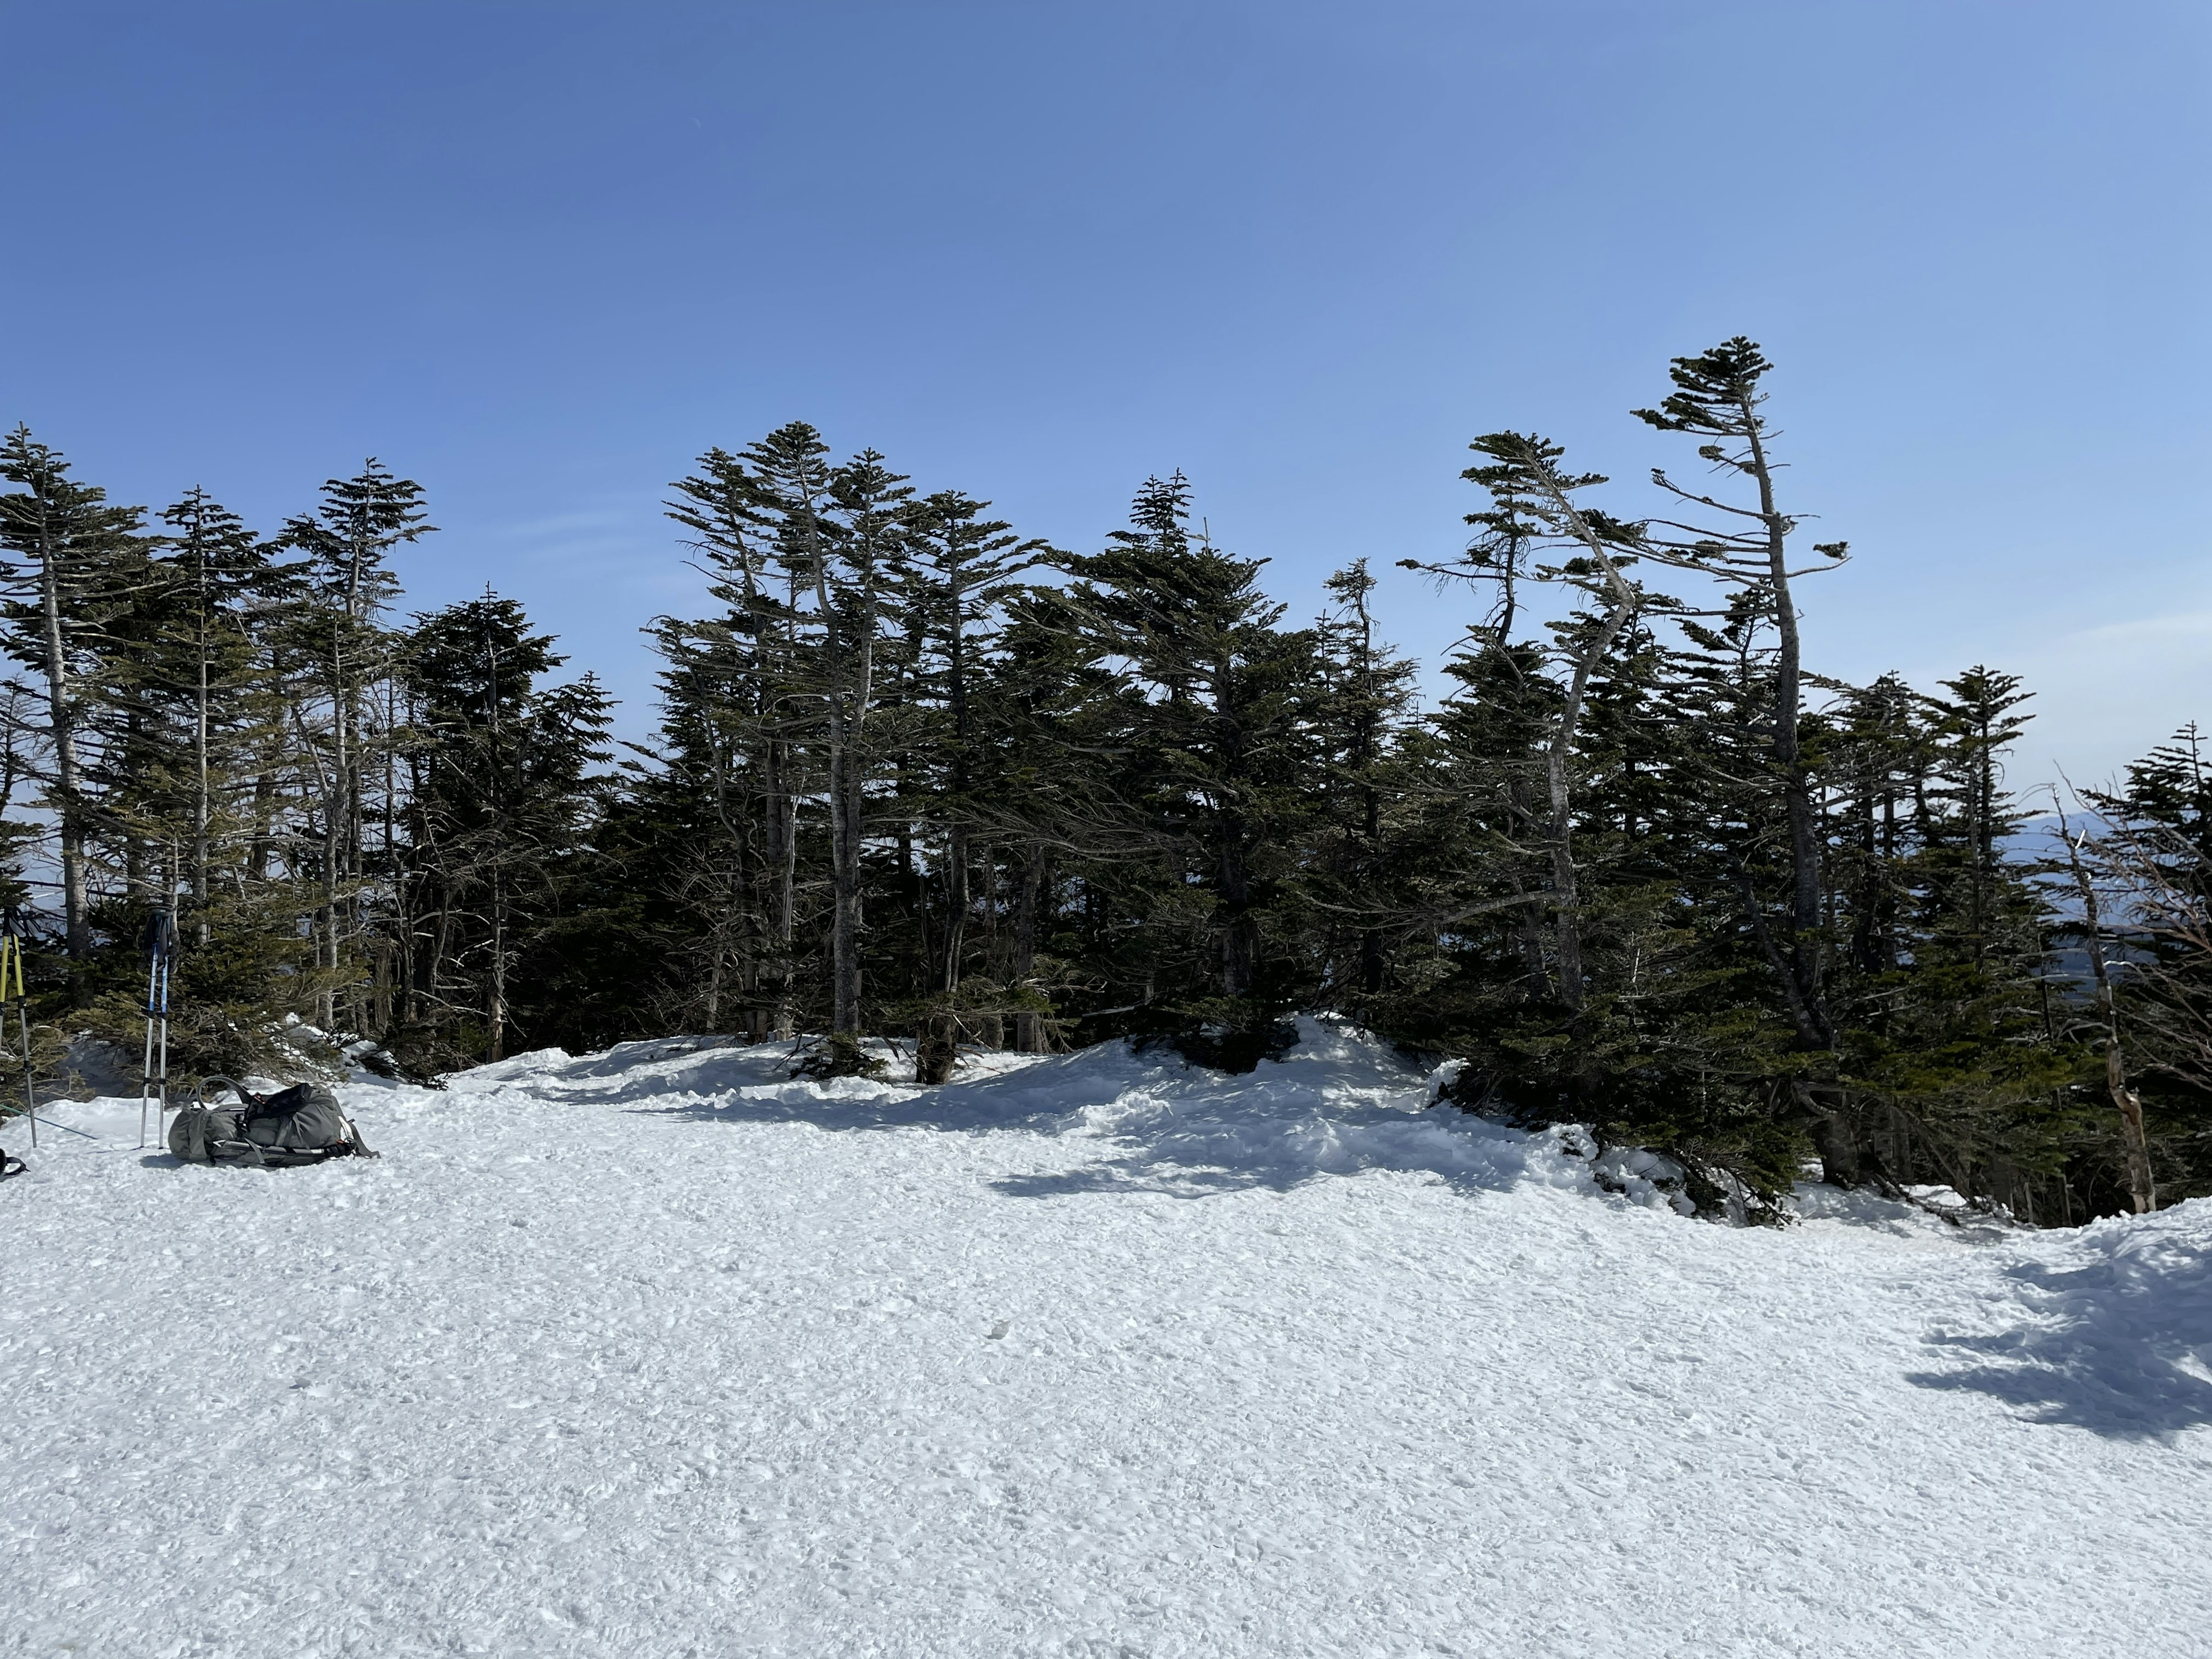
(662, 1352)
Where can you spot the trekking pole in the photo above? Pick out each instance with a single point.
(11, 987)
(152, 1082)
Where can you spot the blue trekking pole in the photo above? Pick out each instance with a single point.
(160, 951)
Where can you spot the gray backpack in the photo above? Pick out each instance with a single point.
(303, 1124)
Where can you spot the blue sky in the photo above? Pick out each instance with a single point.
(540, 255)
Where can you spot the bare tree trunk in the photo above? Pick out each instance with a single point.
(1558, 755)
(1240, 941)
(391, 804)
(957, 900)
(1232, 915)
(852, 674)
(1566, 896)
(1833, 1133)
(2143, 1191)
(260, 845)
(731, 899)
(68, 782)
(200, 804)
(1559, 751)
(1031, 1034)
(1789, 760)
(845, 882)
(334, 819)
(781, 810)
(848, 699)
(957, 896)
(496, 1012)
(1374, 961)
(407, 897)
(327, 1001)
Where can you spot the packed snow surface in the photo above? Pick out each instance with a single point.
(660, 1352)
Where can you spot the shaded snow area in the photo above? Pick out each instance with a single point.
(660, 1353)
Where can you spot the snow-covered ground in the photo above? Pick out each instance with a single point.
(659, 1353)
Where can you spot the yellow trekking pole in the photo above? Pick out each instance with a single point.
(12, 990)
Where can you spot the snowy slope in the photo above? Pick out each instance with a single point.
(658, 1352)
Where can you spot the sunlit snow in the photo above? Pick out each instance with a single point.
(662, 1352)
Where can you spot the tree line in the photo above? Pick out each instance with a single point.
(918, 775)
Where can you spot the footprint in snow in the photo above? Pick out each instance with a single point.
(997, 1331)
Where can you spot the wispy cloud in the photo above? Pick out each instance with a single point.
(2178, 625)
(2109, 691)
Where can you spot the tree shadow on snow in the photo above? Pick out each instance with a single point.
(2117, 1345)
(1186, 1133)
(1203, 1158)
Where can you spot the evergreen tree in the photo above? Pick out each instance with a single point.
(192, 747)
(1718, 397)
(347, 656)
(1214, 746)
(1362, 703)
(72, 559)
(2143, 866)
(504, 802)
(1953, 1061)
(1641, 869)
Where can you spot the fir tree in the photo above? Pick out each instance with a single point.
(503, 806)
(72, 561)
(1214, 744)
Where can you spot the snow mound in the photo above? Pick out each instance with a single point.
(1337, 1104)
(661, 1352)
(2112, 1331)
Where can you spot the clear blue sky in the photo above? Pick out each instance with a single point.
(540, 255)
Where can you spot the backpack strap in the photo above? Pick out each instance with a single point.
(361, 1146)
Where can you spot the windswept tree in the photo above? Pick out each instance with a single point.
(1719, 398)
(72, 562)
(958, 568)
(345, 656)
(222, 593)
(1639, 868)
(1535, 504)
(735, 716)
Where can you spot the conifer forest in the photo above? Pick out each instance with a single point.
(918, 775)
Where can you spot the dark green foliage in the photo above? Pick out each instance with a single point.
(917, 776)
(503, 800)
(1210, 725)
(2146, 852)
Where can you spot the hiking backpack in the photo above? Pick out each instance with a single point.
(303, 1124)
